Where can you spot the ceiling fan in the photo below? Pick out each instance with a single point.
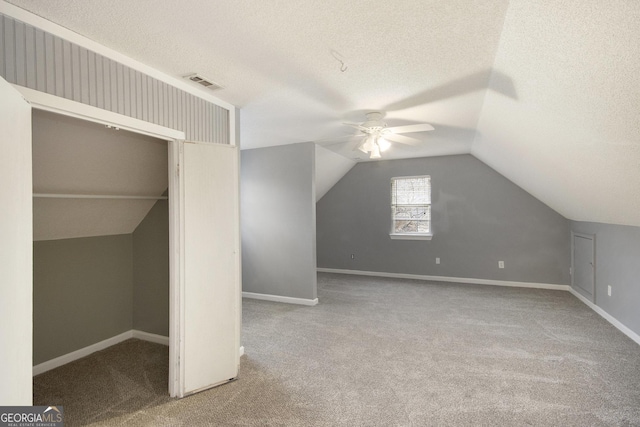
(377, 136)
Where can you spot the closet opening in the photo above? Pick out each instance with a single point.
(100, 257)
(204, 246)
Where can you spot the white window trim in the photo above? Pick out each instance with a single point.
(411, 236)
(414, 236)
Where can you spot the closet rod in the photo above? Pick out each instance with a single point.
(96, 196)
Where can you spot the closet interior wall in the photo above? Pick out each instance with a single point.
(101, 263)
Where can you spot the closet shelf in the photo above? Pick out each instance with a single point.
(95, 196)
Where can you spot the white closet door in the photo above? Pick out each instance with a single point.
(211, 294)
(16, 242)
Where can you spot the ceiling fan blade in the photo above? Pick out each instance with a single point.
(350, 145)
(332, 140)
(402, 139)
(357, 126)
(423, 127)
(351, 141)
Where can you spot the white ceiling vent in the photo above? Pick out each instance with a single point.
(197, 78)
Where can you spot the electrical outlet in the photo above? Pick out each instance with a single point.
(609, 290)
(353, 256)
(500, 264)
(437, 260)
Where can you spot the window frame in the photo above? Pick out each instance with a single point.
(409, 236)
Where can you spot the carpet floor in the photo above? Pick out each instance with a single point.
(381, 352)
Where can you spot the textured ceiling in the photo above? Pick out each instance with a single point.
(421, 61)
(545, 92)
(572, 138)
(71, 156)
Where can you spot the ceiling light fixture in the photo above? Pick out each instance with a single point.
(383, 144)
(377, 137)
(375, 153)
(374, 144)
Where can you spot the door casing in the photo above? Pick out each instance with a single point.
(580, 266)
(47, 102)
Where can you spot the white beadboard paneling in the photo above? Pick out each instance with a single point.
(39, 60)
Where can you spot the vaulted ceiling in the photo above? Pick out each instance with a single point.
(545, 92)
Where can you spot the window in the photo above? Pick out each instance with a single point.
(411, 207)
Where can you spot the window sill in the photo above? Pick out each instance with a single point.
(410, 236)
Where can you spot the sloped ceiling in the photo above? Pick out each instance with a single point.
(71, 156)
(330, 168)
(546, 92)
(280, 61)
(572, 138)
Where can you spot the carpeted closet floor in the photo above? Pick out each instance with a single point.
(381, 352)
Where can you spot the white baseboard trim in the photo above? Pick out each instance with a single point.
(609, 318)
(450, 279)
(241, 350)
(83, 352)
(79, 354)
(278, 298)
(147, 336)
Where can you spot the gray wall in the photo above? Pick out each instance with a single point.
(479, 217)
(278, 222)
(151, 271)
(38, 60)
(82, 293)
(89, 289)
(617, 265)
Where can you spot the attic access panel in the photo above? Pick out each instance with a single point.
(73, 156)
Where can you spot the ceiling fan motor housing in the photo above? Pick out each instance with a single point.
(378, 137)
(374, 122)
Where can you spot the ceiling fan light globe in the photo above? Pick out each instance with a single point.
(375, 153)
(383, 144)
(369, 144)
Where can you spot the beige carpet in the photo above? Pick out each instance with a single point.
(381, 352)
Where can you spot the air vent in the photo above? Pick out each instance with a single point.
(203, 81)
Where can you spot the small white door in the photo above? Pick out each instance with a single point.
(584, 265)
(210, 306)
(16, 242)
